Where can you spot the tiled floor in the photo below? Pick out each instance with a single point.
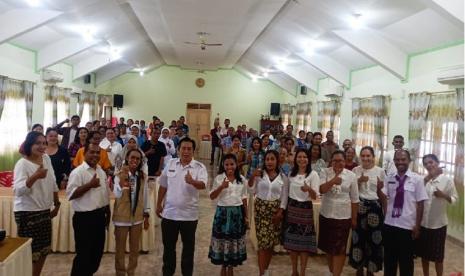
(150, 264)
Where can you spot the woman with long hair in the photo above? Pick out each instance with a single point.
(255, 156)
(366, 248)
(338, 213)
(35, 192)
(131, 210)
(317, 163)
(299, 228)
(59, 157)
(227, 246)
(238, 151)
(271, 192)
(79, 141)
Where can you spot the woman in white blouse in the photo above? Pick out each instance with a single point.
(169, 145)
(299, 228)
(441, 191)
(271, 192)
(366, 248)
(35, 193)
(338, 211)
(227, 246)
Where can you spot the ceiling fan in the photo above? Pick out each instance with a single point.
(203, 44)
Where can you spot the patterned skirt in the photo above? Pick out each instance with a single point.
(366, 248)
(38, 226)
(227, 246)
(299, 229)
(333, 235)
(268, 234)
(430, 245)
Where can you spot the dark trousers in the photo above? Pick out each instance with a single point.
(170, 230)
(212, 155)
(398, 251)
(89, 238)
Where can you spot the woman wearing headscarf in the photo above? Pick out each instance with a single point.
(169, 144)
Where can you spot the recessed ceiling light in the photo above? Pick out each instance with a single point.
(33, 3)
(356, 21)
(265, 74)
(88, 33)
(141, 73)
(254, 78)
(114, 53)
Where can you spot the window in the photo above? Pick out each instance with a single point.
(445, 148)
(327, 127)
(62, 113)
(13, 125)
(85, 113)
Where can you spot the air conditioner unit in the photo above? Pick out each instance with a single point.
(333, 92)
(76, 90)
(52, 76)
(452, 75)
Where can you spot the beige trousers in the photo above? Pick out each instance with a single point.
(121, 234)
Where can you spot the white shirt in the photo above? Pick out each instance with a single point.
(233, 195)
(116, 149)
(336, 203)
(388, 162)
(72, 134)
(182, 199)
(367, 190)
(266, 189)
(414, 191)
(297, 182)
(118, 192)
(94, 198)
(40, 196)
(435, 209)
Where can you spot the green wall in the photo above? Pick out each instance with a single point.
(166, 90)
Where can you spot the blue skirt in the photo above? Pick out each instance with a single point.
(227, 246)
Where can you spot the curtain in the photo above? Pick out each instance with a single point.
(87, 107)
(418, 110)
(2, 94)
(92, 106)
(307, 116)
(286, 112)
(28, 90)
(301, 112)
(13, 120)
(57, 105)
(103, 100)
(329, 117)
(382, 107)
(355, 117)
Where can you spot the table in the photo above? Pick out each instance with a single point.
(205, 150)
(62, 224)
(279, 248)
(16, 257)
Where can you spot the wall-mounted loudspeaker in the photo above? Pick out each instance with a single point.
(87, 79)
(303, 90)
(274, 109)
(118, 101)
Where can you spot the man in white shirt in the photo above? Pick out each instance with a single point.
(89, 195)
(224, 130)
(402, 195)
(388, 157)
(109, 144)
(177, 205)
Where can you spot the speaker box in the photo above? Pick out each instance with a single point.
(303, 90)
(274, 109)
(118, 101)
(87, 79)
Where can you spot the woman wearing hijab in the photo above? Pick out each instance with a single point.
(169, 144)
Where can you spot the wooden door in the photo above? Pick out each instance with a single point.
(198, 120)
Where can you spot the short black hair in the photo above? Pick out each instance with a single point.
(432, 156)
(75, 117)
(398, 137)
(317, 133)
(30, 140)
(235, 136)
(37, 125)
(370, 149)
(403, 150)
(338, 152)
(50, 129)
(91, 135)
(186, 140)
(86, 147)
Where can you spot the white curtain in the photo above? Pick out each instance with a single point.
(418, 110)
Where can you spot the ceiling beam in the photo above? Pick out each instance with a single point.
(91, 64)
(61, 50)
(19, 21)
(105, 75)
(372, 45)
(452, 10)
(303, 74)
(285, 82)
(329, 67)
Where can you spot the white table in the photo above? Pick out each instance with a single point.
(18, 261)
(62, 224)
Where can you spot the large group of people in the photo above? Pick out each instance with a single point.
(393, 213)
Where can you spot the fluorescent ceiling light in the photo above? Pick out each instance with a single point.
(88, 33)
(265, 74)
(141, 73)
(254, 78)
(114, 53)
(356, 21)
(33, 3)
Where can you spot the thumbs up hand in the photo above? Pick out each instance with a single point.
(362, 179)
(41, 172)
(94, 182)
(188, 178)
(225, 183)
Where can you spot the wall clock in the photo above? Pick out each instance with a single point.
(200, 82)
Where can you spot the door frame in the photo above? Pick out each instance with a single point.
(199, 106)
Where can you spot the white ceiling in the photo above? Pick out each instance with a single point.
(256, 35)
